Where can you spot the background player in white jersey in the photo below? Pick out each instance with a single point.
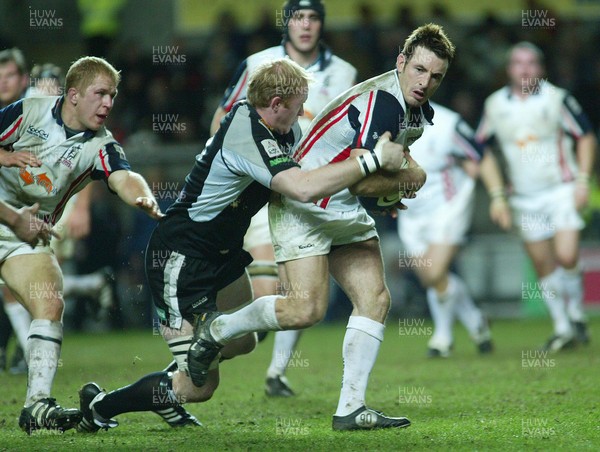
(68, 137)
(549, 147)
(195, 262)
(435, 224)
(335, 234)
(303, 22)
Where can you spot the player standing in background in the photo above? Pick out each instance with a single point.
(303, 22)
(195, 262)
(68, 137)
(549, 148)
(335, 234)
(435, 224)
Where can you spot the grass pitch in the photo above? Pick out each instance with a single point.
(515, 399)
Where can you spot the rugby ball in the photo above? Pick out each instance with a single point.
(382, 204)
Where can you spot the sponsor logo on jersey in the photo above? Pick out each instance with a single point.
(40, 133)
(41, 180)
(308, 245)
(279, 161)
(67, 158)
(271, 148)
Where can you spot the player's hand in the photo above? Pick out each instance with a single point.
(500, 213)
(150, 206)
(582, 195)
(390, 154)
(31, 229)
(19, 159)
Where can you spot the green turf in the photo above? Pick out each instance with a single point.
(467, 402)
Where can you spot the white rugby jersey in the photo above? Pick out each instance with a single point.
(68, 164)
(536, 134)
(331, 74)
(356, 119)
(439, 152)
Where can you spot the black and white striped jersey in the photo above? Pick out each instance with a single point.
(229, 183)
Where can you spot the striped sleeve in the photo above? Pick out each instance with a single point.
(109, 158)
(381, 113)
(573, 119)
(463, 142)
(11, 118)
(237, 87)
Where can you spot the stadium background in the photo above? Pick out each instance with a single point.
(177, 57)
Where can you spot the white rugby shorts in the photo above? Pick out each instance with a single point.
(447, 225)
(303, 229)
(538, 216)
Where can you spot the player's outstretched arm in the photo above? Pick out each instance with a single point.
(491, 176)
(133, 190)
(586, 154)
(306, 186)
(26, 226)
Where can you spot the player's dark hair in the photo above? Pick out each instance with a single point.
(292, 6)
(16, 56)
(431, 37)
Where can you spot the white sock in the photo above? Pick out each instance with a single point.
(43, 352)
(20, 321)
(467, 311)
(551, 289)
(82, 285)
(283, 349)
(361, 345)
(442, 308)
(573, 289)
(257, 316)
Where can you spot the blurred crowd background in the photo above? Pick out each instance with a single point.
(178, 56)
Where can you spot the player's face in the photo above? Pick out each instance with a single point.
(524, 68)
(94, 104)
(420, 76)
(304, 29)
(288, 114)
(12, 83)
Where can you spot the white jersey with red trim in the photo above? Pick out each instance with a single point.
(439, 152)
(356, 119)
(68, 164)
(536, 134)
(331, 75)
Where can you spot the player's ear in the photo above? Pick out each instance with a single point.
(276, 103)
(400, 62)
(72, 96)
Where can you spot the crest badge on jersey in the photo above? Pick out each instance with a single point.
(271, 148)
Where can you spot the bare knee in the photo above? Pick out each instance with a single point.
(302, 312)
(187, 392)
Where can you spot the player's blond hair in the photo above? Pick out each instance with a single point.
(278, 78)
(84, 71)
(431, 37)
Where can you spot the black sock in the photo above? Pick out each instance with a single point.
(150, 393)
(5, 328)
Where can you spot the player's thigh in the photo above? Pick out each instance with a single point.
(36, 281)
(434, 267)
(566, 247)
(541, 254)
(358, 269)
(235, 295)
